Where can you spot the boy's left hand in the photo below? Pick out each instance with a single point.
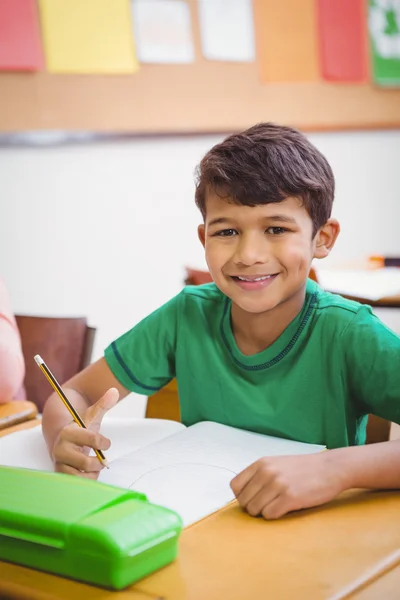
(274, 486)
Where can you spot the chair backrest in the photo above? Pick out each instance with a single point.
(65, 344)
(378, 429)
(197, 277)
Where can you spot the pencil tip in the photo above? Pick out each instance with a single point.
(38, 359)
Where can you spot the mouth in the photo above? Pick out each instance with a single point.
(253, 277)
(254, 282)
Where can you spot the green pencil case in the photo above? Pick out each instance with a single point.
(83, 529)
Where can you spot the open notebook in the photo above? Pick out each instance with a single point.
(187, 469)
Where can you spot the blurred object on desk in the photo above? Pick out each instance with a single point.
(377, 262)
(377, 287)
(15, 412)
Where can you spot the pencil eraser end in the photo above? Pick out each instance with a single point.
(38, 359)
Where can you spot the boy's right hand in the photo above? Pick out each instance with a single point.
(73, 443)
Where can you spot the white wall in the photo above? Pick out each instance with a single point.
(105, 230)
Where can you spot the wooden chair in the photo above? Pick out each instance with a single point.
(197, 277)
(65, 344)
(165, 403)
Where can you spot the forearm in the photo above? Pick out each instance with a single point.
(374, 466)
(56, 415)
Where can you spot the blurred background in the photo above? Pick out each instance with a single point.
(107, 106)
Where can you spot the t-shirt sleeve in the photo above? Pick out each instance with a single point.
(143, 359)
(372, 365)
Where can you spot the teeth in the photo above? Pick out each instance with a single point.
(256, 279)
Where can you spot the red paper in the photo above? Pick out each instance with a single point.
(20, 43)
(342, 26)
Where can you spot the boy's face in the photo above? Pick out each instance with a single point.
(260, 256)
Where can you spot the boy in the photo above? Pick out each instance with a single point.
(262, 348)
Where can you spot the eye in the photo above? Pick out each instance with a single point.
(226, 233)
(276, 230)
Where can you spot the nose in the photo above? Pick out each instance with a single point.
(251, 249)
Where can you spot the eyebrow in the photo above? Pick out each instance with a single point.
(274, 218)
(219, 221)
(282, 218)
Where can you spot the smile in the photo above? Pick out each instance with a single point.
(254, 282)
(260, 278)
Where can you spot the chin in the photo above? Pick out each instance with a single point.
(254, 307)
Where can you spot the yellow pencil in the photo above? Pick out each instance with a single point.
(58, 389)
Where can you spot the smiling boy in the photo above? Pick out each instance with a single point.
(262, 348)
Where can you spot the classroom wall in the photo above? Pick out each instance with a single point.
(105, 229)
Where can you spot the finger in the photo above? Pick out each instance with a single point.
(240, 481)
(95, 413)
(79, 436)
(262, 479)
(267, 494)
(75, 458)
(276, 508)
(68, 470)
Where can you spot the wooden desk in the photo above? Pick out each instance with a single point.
(346, 549)
(318, 554)
(382, 588)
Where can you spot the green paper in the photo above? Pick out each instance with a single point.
(384, 35)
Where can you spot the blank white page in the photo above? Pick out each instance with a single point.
(190, 471)
(26, 449)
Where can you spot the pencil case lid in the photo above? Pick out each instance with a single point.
(40, 506)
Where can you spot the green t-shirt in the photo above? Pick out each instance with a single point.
(334, 364)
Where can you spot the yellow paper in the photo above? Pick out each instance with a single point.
(286, 35)
(88, 36)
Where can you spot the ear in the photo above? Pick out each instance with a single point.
(201, 232)
(326, 238)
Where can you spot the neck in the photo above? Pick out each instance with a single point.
(256, 332)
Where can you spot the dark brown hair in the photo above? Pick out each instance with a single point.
(268, 163)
